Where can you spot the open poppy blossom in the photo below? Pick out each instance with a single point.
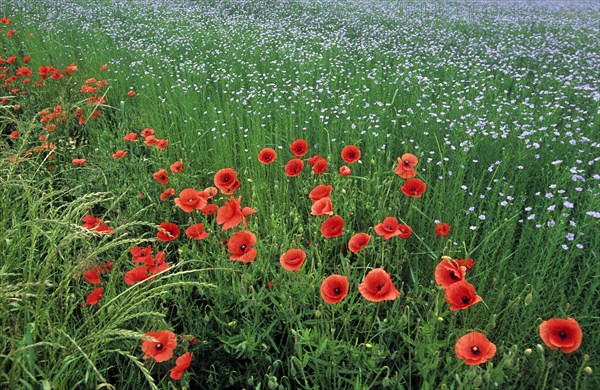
(292, 259)
(190, 200)
(461, 295)
(345, 170)
(358, 241)
(79, 161)
(319, 192)
(150, 140)
(333, 227)
(388, 228)
(159, 345)
(166, 193)
(131, 93)
(404, 231)
(377, 286)
(161, 176)
(225, 180)
(196, 232)
(119, 154)
(96, 225)
(267, 155)
(137, 274)
(334, 288)
(469, 263)
(141, 255)
(210, 209)
(93, 275)
(167, 231)
(161, 144)
(442, 229)
(231, 214)
(294, 167)
(320, 166)
(448, 272)
(563, 334)
(299, 147)
(130, 137)
(474, 348)
(414, 188)
(157, 264)
(94, 296)
(322, 207)
(181, 365)
(176, 167)
(240, 246)
(148, 131)
(350, 154)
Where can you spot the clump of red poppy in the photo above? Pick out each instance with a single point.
(231, 214)
(377, 286)
(292, 259)
(334, 288)
(96, 225)
(560, 333)
(240, 246)
(159, 345)
(350, 154)
(226, 180)
(267, 155)
(474, 348)
(405, 168)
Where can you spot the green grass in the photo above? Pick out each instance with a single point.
(500, 128)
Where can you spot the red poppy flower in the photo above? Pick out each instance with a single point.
(168, 231)
(322, 207)
(225, 179)
(442, 229)
(312, 160)
(210, 209)
(190, 200)
(176, 167)
(181, 364)
(92, 276)
(119, 154)
(448, 272)
(294, 167)
(157, 264)
(196, 232)
(414, 188)
(159, 345)
(563, 334)
(267, 155)
(334, 288)
(319, 192)
(141, 254)
(150, 140)
(240, 246)
(299, 147)
(461, 295)
(166, 193)
(231, 214)
(137, 274)
(474, 348)
(333, 227)
(161, 144)
(79, 161)
(103, 68)
(406, 173)
(131, 93)
(404, 231)
(293, 259)
(345, 170)
(96, 225)
(147, 132)
(358, 242)
(94, 296)
(161, 176)
(404, 169)
(350, 154)
(377, 286)
(320, 166)
(388, 228)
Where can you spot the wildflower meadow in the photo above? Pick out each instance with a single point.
(327, 194)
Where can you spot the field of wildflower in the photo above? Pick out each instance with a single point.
(261, 194)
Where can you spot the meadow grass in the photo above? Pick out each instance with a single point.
(499, 103)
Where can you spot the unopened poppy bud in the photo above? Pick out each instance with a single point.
(317, 313)
(300, 229)
(588, 370)
(477, 381)
(539, 348)
(232, 323)
(343, 191)
(527, 352)
(528, 299)
(250, 381)
(249, 180)
(386, 382)
(369, 346)
(586, 357)
(296, 220)
(440, 319)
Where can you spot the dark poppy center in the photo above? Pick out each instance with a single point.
(413, 189)
(337, 290)
(465, 299)
(379, 286)
(267, 157)
(406, 163)
(243, 247)
(475, 350)
(453, 275)
(158, 346)
(562, 334)
(226, 179)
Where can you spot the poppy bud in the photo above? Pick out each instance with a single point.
(296, 219)
(586, 357)
(440, 319)
(588, 370)
(528, 299)
(369, 346)
(477, 381)
(527, 352)
(300, 229)
(343, 191)
(539, 348)
(317, 313)
(232, 323)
